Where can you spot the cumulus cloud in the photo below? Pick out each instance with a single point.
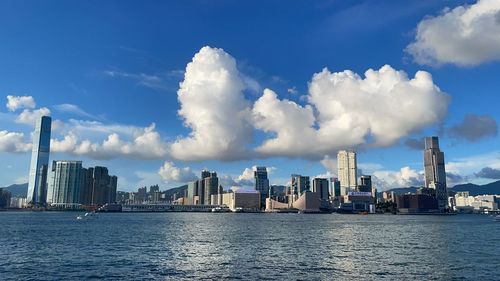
(405, 177)
(30, 117)
(170, 173)
(330, 164)
(466, 35)
(146, 143)
(475, 127)
(13, 142)
(16, 102)
(488, 173)
(291, 124)
(347, 110)
(214, 108)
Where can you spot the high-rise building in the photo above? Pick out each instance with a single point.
(261, 183)
(113, 185)
(347, 168)
(201, 187)
(261, 180)
(335, 187)
(88, 186)
(211, 186)
(192, 193)
(435, 173)
(366, 184)
(320, 186)
(300, 184)
(67, 182)
(37, 182)
(98, 187)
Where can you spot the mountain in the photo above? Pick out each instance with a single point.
(17, 190)
(474, 189)
(179, 191)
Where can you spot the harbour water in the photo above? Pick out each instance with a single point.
(228, 246)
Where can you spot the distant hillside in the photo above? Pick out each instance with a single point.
(169, 193)
(490, 188)
(17, 190)
(474, 189)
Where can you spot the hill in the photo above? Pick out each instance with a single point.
(474, 189)
(17, 190)
(179, 191)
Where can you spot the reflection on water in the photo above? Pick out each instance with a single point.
(185, 246)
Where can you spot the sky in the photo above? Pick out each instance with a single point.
(159, 90)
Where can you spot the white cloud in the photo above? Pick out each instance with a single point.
(291, 124)
(214, 108)
(170, 173)
(346, 110)
(13, 142)
(466, 35)
(405, 177)
(17, 102)
(30, 117)
(146, 143)
(74, 109)
(292, 90)
(330, 164)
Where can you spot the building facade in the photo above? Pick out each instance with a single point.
(37, 182)
(67, 182)
(211, 186)
(435, 173)
(320, 186)
(347, 171)
(261, 183)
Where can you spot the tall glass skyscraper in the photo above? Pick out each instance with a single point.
(37, 183)
(435, 173)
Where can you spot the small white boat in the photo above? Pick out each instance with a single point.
(79, 217)
(87, 216)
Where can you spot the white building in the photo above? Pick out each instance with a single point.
(347, 170)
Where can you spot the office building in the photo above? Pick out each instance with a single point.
(347, 170)
(192, 197)
(320, 186)
(335, 187)
(261, 180)
(261, 183)
(435, 173)
(37, 182)
(211, 187)
(67, 182)
(299, 184)
(366, 184)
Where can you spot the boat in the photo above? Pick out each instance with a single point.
(86, 216)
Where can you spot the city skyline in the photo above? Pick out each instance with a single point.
(157, 105)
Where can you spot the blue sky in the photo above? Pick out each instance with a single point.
(113, 68)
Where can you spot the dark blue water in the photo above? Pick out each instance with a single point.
(187, 246)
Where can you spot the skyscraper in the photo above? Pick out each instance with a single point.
(366, 184)
(320, 186)
(37, 182)
(435, 173)
(300, 184)
(261, 180)
(334, 187)
(261, 183)
(211, 186)
(67, 182)
(347, 168)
